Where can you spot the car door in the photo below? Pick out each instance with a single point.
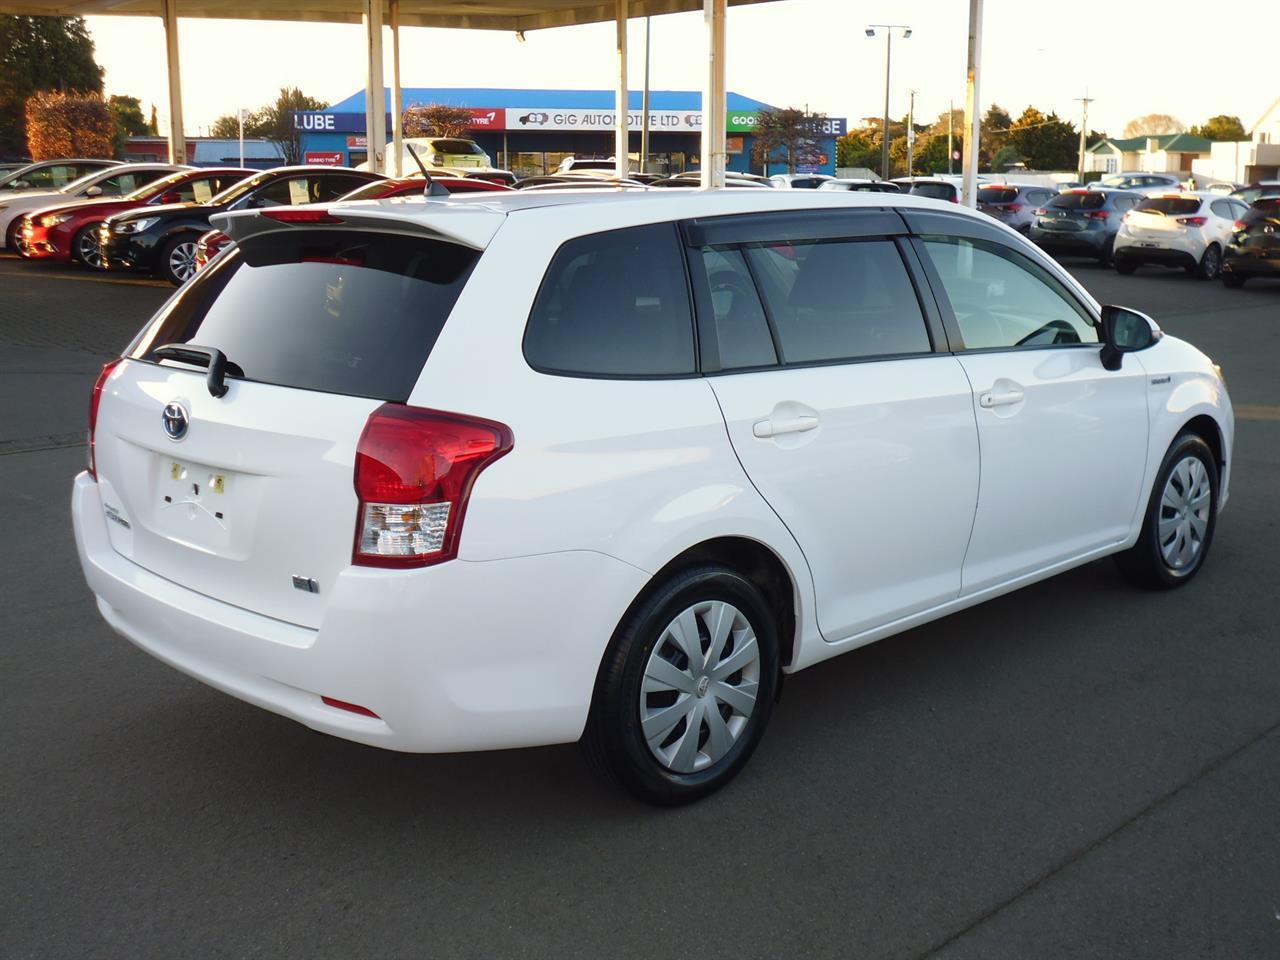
(859, 435)
(1063, 440)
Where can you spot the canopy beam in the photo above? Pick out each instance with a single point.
(714, 142)
(177, 139)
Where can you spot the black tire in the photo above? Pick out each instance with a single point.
(11, 241)
(171, 263)
(1233, 280)
(1145, 563)
(1104, 258)
(1124, 265)
(1210, 265)
(84, 247)
(614, 741)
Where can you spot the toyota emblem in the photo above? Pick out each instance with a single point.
(175, 420)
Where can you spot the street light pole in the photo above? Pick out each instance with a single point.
(911, 133)
(888, 29)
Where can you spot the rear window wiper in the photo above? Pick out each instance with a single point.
(211, 357)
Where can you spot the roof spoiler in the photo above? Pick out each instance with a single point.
(471, 226)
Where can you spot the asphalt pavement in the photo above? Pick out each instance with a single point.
(1076, 770)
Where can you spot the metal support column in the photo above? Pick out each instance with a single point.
(714, 146)
(644, 104)
(177, 139)
(397, 97)
(621, 145)
(375, 100)
(972, 110)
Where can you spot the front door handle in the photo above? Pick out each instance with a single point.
(776, 427)
(1000, 398)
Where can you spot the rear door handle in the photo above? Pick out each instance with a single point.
(1002, 398)
(773, 428)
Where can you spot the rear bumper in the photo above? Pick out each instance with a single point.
(1172, 252)
(1089, 243)
(462, 656)
(1250, 264)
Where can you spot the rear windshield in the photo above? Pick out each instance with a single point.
(938, 191)
(1268, 208)
(1093, 200)
(344, 312)
(997, 195)
(456, 146)
(1169, 206)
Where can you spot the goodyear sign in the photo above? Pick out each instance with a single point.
(745, 122)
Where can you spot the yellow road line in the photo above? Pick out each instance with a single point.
(133, 282)
(1254, 411)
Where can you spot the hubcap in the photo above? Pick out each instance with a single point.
(1184, 513)
(700, 686)
(89, 248)
(1211, 262)
(182, 261)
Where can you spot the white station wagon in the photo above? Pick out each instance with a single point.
(490, 472)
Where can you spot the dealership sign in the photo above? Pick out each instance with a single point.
(324, 158)
(745, 122)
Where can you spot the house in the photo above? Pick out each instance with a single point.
(1167, 153)
(1246, 161)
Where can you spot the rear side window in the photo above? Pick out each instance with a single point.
(614, 304)
(342, 312)
(1092, 200)
(1169, 206)
(938, 191)
(841, 300)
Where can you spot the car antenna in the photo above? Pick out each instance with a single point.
(432, 188)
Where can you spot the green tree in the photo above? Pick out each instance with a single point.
(1222, 127)
(1044, 142)
(273, 122)
(37, 54)
(126, 115)
(153, 125)
(994, 134)
(227, 127)
(791, 132)
(857, 148)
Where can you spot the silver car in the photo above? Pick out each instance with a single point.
(1139, 181)
(1013, 204)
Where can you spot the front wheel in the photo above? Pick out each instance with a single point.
(178, 260)
(1181, 517)
(84, 248)
(686, 688)
(13, 237)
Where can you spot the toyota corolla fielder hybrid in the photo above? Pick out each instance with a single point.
(522, 469)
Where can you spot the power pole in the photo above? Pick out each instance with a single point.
(911, 132)
(951, 116)
(1084, 132)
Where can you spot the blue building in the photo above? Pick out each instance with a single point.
(531, 131)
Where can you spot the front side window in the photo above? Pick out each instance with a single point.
(841, 300)
(282, 193)
(614, 304)
(1001, 299)
(333, 186)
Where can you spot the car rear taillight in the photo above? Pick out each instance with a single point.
(413, 474)
(1041, 211)
(1098, 214)
(95, 398)
(1238, 225)
(1193, 221)
(287, 215)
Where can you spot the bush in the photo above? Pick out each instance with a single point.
(69, 125)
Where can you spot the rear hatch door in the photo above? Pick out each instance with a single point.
(248, 497)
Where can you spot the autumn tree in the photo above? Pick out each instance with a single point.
(1222, 127)
(796, 133)
(37, 54)
(69, 125)
(436, 120)
(1153, 125)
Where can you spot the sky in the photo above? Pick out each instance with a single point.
(1172, 58)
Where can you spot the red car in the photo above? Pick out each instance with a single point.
(70, 231)
(210, 243)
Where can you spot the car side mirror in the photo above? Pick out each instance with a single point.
(1125, 331)
(94, 191)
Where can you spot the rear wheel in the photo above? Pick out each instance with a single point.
(1181, 517)
(686, 688)
(84, 248)
(1210, 264)
(1124, 265)
(1234, 280)
(178, 259)
(1104, 258)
